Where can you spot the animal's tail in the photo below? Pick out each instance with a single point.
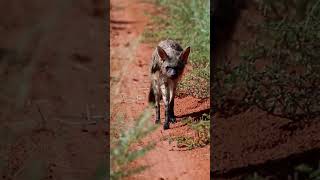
(151, 99)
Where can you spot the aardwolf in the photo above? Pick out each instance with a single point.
(168, 62)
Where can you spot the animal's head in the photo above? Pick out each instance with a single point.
(173, 66)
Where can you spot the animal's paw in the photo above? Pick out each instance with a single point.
(166, 126)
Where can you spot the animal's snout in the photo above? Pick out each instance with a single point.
(172, 72)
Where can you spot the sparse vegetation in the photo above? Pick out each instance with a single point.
(201, 136)
(122, 152)
(307, 172)
(255, 176)
(300, 172)
(189, 23)
(279, 72)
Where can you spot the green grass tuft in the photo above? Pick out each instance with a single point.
(201, 136)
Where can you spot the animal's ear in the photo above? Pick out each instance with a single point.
(163, 55)
(185, 54)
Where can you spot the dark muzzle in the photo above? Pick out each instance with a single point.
(172, 73)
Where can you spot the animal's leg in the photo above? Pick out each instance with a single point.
(165, 97)
(172, 92)
(157, 107)
(171, 111)
(157, 102)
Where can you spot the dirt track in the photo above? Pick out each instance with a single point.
(129, 87)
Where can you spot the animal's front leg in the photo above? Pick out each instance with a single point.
(157, 107)
(166, 98)
(172, 92)
(157, 96)
(167, 114)
(171, 111)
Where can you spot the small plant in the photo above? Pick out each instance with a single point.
(121, 152)
(306, 172)
(300, 172)
(201, 136)
(202, 131)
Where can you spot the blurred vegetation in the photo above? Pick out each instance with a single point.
(122, 152)
(17, 65)
(188, 22)
(16, 69)
(101, 173)
(306, 172)
(279, 69)
(300, 172)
